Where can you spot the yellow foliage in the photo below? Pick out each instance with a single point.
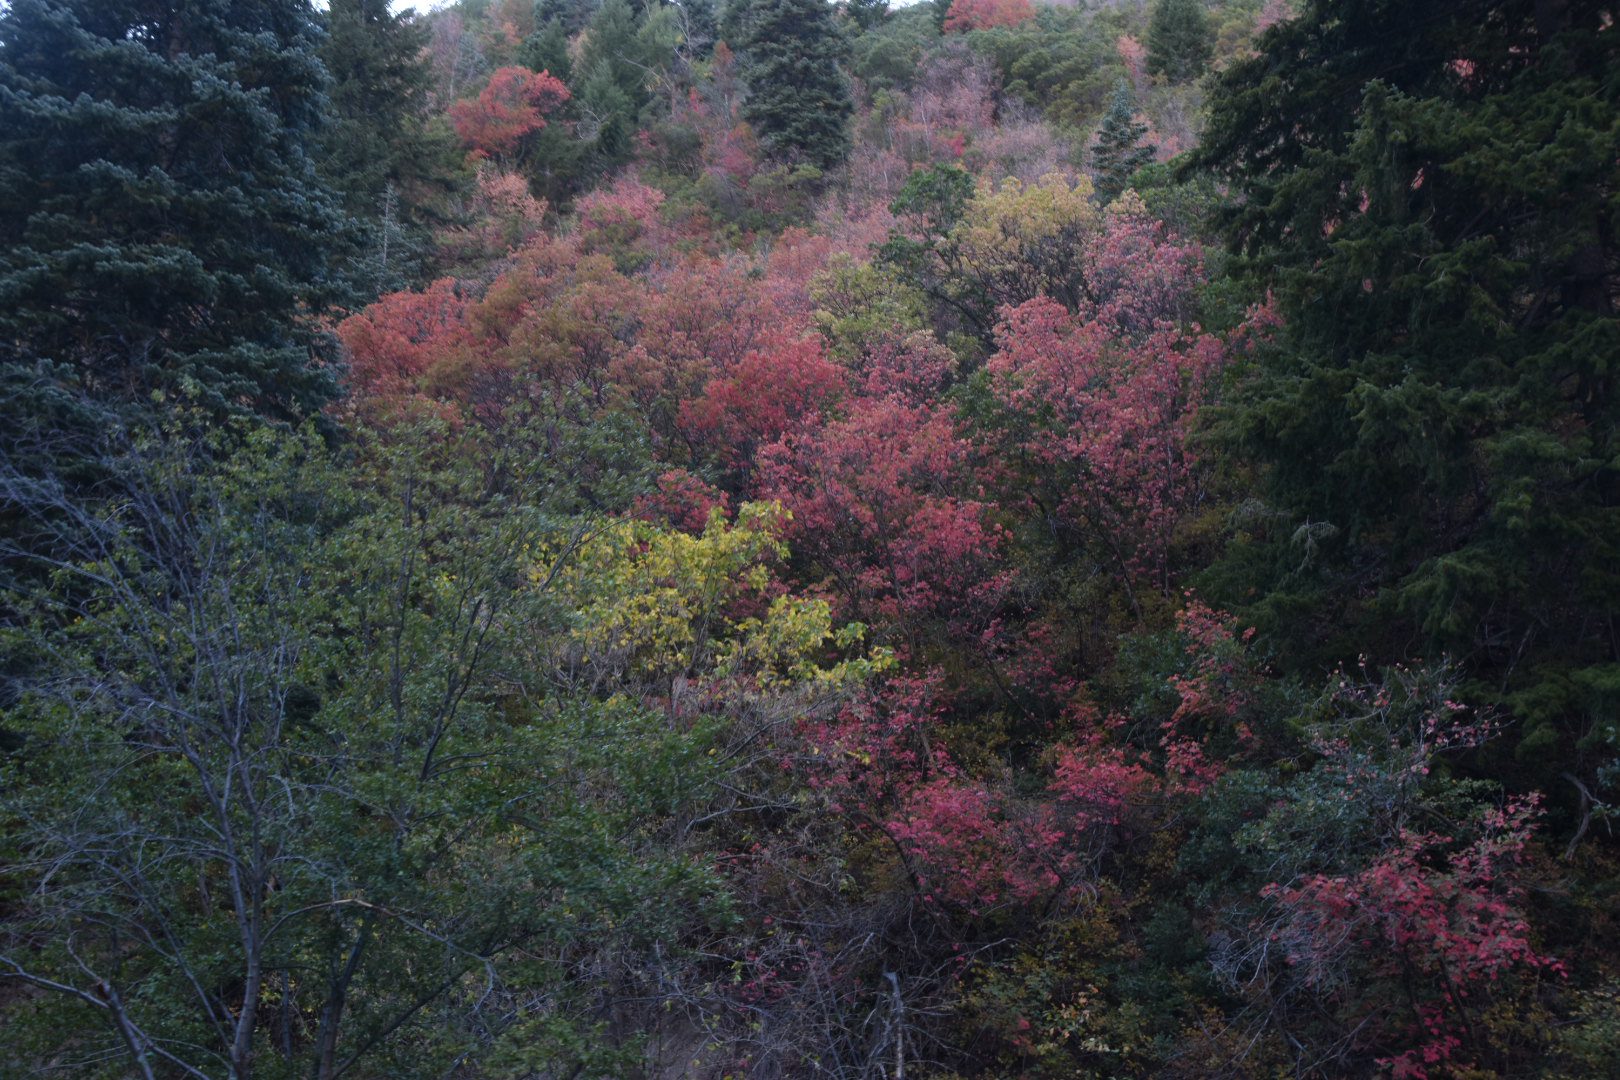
(1008, 226)
(652, 602)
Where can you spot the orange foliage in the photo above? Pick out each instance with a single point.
(511, 107)
(968, 15)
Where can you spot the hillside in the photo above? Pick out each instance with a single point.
(578, 539)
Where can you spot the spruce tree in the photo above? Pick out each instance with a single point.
(1428, 188)
(161, 223)
(867, 14)
(1179, 40)
(799, 100)
(700, 27)
(376, 151)
(547, 50)
(622, 50)
(379, 94)
(555, 163)
(1119, 150)
(572, 15)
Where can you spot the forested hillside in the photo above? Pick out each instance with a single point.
(580, 539)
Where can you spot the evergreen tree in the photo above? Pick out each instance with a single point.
(161, 223)
(799, 100)
(1119, 150)
(547, 50)
(700, 26)
(622, 51)
(608, 115)
(572, 15)
(1429, 188)
(376, 151)
(379, 94)
(1179, 40)
(867, 14)
(613, 45)
(556, 162)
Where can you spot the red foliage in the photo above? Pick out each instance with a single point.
(884, 502)
(968, 15)
(1133, 54)
(1441, 921)
(1104, 419)
(1137, 276)
(684, 501)
(398, 346)
(622, 221)
(1095, 785)
(971, 848)
(502, 217)
(511, 107)
(768, 394)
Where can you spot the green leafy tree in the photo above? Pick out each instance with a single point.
(1429, 189)
(282, 811)
(1120, 149)
(799, 100)
(890, 55)
(1064, 63)
(925, 252)
(1180, 41)
(161, 222)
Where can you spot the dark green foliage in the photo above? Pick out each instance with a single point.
(379, 100)
(922, 253)
(557, 160)
(891, 54)
(609, 111)
(547, 50)
(793, 56)
(284, 811)
(699, 21)
(572, 15)
(1179, 40)
(1062, 62)
(1119, 150)
(623, 52)
(1430, 189)
(161, 224)
(937, 196)
(377, 151)
(867, 14)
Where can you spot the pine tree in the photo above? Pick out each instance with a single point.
(1179, 40)
(161, 223)
(376, 151)
(622, 52)
(547, 50)
(380, 84)
(867, 14)
(1119, 150)
(799, 99)
(700, 27)
(572, 15)
(614, 45)
(1428, 188)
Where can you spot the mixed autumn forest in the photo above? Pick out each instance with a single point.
(578, 539)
